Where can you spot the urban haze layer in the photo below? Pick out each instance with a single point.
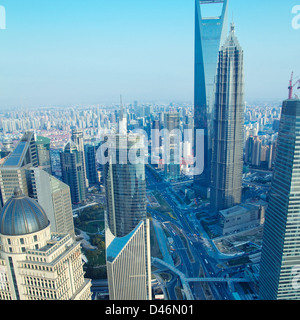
(104, 203)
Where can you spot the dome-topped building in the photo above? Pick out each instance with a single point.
(34, 263)
(22, 215)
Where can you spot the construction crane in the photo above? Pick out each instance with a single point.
(291, 86)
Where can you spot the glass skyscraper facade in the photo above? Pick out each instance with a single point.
(43, 152)
(172, 145)
(127, 228)
(90, 151)
(228, 137)
(72, 167)
(77, 138)
(210, 34)
(13, 171)
(280, 258)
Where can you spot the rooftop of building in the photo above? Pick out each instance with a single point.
(22, 215)
(18, 155)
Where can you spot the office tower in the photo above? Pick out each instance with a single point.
(122, 119)
(6, 149)
(280, 257)
(256, 154)
(155, 137)
(90, 151)
(249, 149)
(172, 145)
(275, 126)
(72, 168)
(155, 143)
(210, 34)
(43, 151)
(264, 155)
(54, 196)
(13, 170)
(77, 138)
(38, 184)
(271, 156)
(228, 140)
(36, 264)
(127, 227)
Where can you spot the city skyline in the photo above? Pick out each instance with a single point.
(67, 54)
(135, 166)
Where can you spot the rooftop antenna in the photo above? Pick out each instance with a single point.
(232, 25)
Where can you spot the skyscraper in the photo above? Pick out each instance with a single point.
(73, 171)
(127, 227)
(36, 264)
(172, 146)
(20, 170)
(55, 197)
(91, 165)
(43, 152)
(77, 138)
(280, 259)
(155, 142)
(228, 140)
(13, 170)
(122, 119)
(210, 34)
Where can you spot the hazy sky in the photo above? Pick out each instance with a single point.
(66, 52)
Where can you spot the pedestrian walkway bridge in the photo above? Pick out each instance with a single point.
(185, 281)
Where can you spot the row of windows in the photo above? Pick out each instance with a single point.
(38, 282)
(5, 296)
(37, 267)
(21, 240)
(23, 249)
(42, 293)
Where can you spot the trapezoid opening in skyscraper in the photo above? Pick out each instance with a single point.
(210, 34)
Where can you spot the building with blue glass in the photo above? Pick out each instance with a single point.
(13, 172)
(280, 258)
(127, 234)
(210, 34)
(228, 127)
(73, 171)
(90, 151)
